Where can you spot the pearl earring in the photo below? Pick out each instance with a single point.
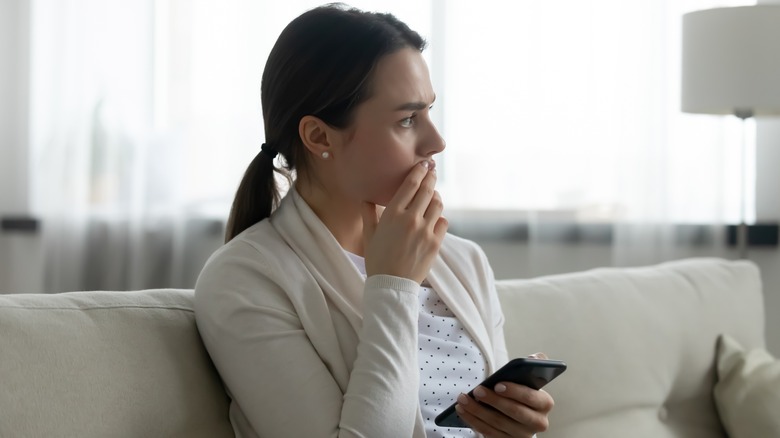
(325, 155)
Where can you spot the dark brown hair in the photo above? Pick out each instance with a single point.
(321, 65)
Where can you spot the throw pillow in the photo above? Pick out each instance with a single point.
(747, 393)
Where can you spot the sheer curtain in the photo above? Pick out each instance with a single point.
(145, 114)
(567, 113)
(108, 182)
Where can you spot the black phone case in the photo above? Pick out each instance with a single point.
(534, 373)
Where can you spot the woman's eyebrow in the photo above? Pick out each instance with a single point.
(415, 106)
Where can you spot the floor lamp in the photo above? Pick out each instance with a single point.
(731, 66)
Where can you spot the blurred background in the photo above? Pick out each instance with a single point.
(125, 127)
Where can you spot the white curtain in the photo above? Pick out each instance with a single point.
(567, 112)
(108, 183)
(146, 113)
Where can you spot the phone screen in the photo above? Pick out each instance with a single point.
(534, 373)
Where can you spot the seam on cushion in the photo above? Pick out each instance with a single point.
(686, 278)
(106, 307)
(278, 310)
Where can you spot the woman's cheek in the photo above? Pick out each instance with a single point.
(393, 183)
(380, 186)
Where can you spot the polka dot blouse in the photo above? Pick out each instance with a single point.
(450, 362)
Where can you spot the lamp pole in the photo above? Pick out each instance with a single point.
(742, 230)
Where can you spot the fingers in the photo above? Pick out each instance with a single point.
(440, 227)
(423, 200)
(479, 425)
(435, 207)
(428, 202)
(425, 193)
(404, 239)
(518, 410)
(490, 422)
(507, 397)
(433, 214)
(406, 193)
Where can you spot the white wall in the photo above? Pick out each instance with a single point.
(14, 74)
(20, 255)
(768, 210)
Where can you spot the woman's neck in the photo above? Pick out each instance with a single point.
(342, 217)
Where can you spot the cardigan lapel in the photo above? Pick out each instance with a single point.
(458, 298)
(322, 255)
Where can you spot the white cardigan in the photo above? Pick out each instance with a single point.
(307, 348)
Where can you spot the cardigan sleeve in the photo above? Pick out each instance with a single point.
(275, 376)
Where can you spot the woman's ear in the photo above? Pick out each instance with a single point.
(317, 136)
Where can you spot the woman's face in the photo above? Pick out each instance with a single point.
(391, 131)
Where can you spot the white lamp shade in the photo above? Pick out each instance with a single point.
(731, 61)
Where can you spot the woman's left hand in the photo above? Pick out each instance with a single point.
(520, 411)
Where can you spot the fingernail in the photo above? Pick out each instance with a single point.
(500, 387)
(479, 391)
(463, 399)
(458, 409)
(424, 164)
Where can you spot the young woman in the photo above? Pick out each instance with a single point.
(345, 309)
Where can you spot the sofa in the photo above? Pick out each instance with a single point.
(669, 350)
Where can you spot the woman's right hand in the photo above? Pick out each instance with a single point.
(406, 238)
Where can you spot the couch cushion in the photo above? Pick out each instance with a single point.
(639, 342)
(748, 390)
(98, 364)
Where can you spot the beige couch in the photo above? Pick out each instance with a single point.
(640, 344)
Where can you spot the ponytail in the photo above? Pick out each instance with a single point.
(257, 195)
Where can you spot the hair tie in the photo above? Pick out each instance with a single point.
(269, 150)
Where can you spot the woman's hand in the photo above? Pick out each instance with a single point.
(520, 411)
(407, 237)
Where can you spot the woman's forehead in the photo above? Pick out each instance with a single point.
(401, 78)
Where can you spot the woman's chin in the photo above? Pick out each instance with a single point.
(383, 197)
(381, 201)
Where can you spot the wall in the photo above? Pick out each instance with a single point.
(20, 255)
(14, 74)
(768, 210)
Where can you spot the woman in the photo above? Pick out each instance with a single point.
(345, 309)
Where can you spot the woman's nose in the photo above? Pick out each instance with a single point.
(435, 143)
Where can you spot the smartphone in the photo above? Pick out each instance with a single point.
(534, 373)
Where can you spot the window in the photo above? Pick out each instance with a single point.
(565, 106)
(573, 107)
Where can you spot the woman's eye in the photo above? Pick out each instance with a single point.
(407, 122)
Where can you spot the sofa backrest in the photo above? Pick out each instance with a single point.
(639, 342)
(106, 364)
